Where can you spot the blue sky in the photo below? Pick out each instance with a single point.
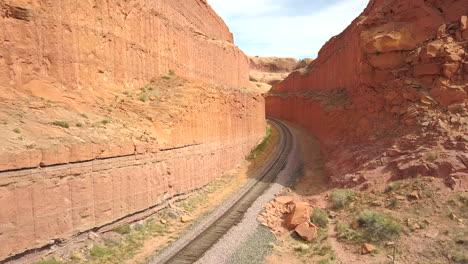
(286, 28)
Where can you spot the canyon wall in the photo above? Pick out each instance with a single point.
(90, 44)
(399, 69)
(42, 205)
(109, 108)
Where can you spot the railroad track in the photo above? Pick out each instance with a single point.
(190, 249)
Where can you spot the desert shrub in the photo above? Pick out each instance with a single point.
(61, 124)
(99, 251)
(105, 121)
(125, 229)
(302, 248)
(319, 217)
(17, 130)
(84, 116)
(341, 198)
(171, 72)
(143, 98)
(431, 157)
(345, 233)
(79, 124)
(460, 257)
(394, 202)
(49, 261)
(392, 186)
(377, 227)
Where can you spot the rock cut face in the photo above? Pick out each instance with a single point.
(109, 108)
(399, 69)
(114, 44)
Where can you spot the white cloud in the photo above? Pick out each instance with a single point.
(261, 29)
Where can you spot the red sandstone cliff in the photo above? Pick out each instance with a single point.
(266, 71)
(108, 108)
(396, 78)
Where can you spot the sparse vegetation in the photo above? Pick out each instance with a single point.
(431, 157)
(17, 130)
(49, 261)
(394, 202)
(143, 97)
(127, 93)
(345, 233)
(377, 227)
(392, 186)
(261, 147)
(99, 251)
(341, 198)
(319, 217)
(460, 257)
(169, 75)
(105, 121)
(61, 124)
(125, 229)
(84, 116)
(110, 110)
(302, 248)
(79, 124)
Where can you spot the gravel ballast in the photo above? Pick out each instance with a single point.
(233, 247)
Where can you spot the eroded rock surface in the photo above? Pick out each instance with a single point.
(110, 108)
(390, 91)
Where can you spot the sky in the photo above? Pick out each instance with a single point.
(286, 28)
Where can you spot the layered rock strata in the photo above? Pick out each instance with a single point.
(109, 108)
(395, 78)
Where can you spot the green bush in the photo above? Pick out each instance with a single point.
(125, 229)
(377, 227)
(341, 198)
(99, 251)
(319, 217)
(143, 98)
(61, 124)
(347, 234)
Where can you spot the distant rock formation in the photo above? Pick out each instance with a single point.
(267, 71)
